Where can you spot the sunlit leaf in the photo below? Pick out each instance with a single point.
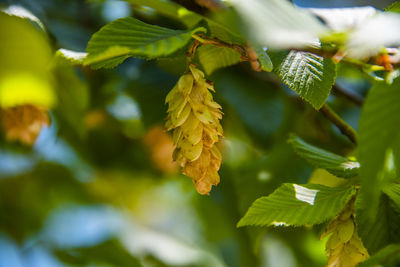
(293, 204)
(20, 11)
(343, 19)
(373, 35)
(278, 24)
(24, 67)
(72, 56)
(25, 88)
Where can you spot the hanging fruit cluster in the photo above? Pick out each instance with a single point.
(194, 118)
(23, 123)
(344, 248)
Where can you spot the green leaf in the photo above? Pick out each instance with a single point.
(311, 76)
(110, 253)
(378, 132)
(380, 230)
(220, 26)
(388, 256)
(213, 57)
(263, 58)
(319, 158)
(393, 192)
(71, 56)
(72, 93)
(171, 10)
(297, 205)
(127, 37)
(395, 7)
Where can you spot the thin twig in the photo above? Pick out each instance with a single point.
(192, 50)
(203, 39)
(349, 95)
(331, 115)
(344, 128)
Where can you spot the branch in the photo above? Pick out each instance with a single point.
(344, 128)
(349, 95)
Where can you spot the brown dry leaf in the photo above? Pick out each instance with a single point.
(24, 123)
(161, 148)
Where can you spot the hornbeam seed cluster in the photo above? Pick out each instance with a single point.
(194, 117)
(23, 123)
(344, 248)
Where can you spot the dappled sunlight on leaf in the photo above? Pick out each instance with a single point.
(25, 88)
(304, 194)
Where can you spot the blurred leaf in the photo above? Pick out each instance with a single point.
(380, 230)
(395, 7)
(375, 33)
(127, 37)
(19, 11)
(319, 158)
(393, 192)
(278, 24)
(24, 48)
(171, 9)
(388, 257)
(25, 88)
(24, 67)
(259, 107)
(343, 19)
(297, 205)
(73, 96)
(311, 76)
(110, 253)
(213, 57)
(378, 132)
(26, 200)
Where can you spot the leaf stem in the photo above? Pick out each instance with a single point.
(344, 128)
